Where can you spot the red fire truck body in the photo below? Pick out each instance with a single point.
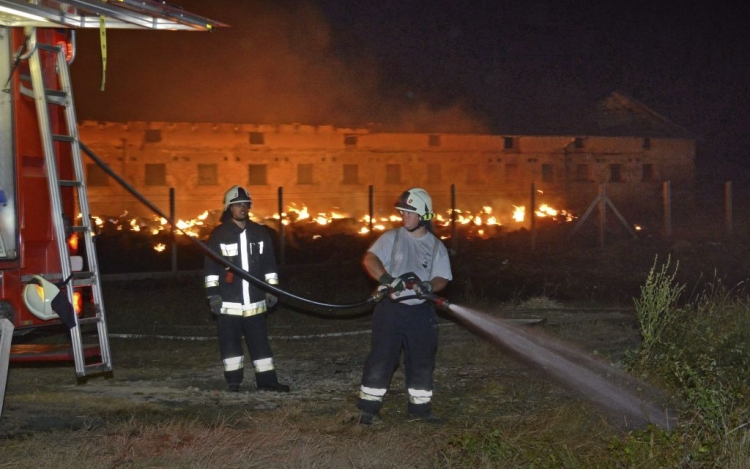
(45, 283)
(27, 233)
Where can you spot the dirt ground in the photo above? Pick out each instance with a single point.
(166, 358)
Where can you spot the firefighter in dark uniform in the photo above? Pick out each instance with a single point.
(240, 305)
(407, 261)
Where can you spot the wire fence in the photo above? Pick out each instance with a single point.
(718, 213)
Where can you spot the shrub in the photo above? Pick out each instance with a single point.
(656, 308)
(700, 352)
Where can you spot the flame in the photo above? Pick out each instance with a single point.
(77, 302)
(73, 243)
(545, 210)
(483, 223)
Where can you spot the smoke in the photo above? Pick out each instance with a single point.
(277, 63)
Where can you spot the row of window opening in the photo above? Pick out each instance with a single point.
(208, 174)
(351, 140)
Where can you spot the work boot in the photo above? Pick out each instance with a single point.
(369, 418)
(426, 418)
(274, 387)
(233, 387)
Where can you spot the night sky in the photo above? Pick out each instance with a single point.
(433, 66)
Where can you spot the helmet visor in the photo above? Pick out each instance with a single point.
(403, 203)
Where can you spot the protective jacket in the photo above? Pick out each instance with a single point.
(251, 249)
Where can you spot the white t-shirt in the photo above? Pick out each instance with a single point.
(401, 253)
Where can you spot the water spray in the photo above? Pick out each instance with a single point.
(577, 370)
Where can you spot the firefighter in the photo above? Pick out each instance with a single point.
(408, 261)
(239, 305)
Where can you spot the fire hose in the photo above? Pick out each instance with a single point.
(371, 300)
(564, 365)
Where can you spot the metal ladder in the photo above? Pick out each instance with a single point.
(47, 97)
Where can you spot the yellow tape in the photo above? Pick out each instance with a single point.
(103, 41)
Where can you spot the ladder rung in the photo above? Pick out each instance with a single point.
(47, 47)
(86, 282)
(83, 279)
(82, 274)
(95, 368)
(55, 93)
(93, 320)
(27, 91)
(79, 229)
(64, 138)
(57, 97)
(70, 183)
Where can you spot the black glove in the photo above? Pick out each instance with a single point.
(393, 284)
(423, 288)
(271, 300)
(215, 302)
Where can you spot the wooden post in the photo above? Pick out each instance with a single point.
(667, 201)
(454, 240)
(282, 237)
(602, 214)
(370, 196)
(171, 229)
(728, 205)
(532, 216)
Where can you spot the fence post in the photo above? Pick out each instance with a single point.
(371, 205)
(532, 216)
(667, 200)
(602, 213)
(728, 205)
(282, 237)
(454, 239)
(172, 221)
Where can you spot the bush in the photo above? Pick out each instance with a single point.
(700, 352)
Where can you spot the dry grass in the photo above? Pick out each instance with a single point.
(272, 439)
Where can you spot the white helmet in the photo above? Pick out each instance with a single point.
(416, 200)
(235, 195)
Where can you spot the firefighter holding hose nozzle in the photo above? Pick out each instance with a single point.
(409, 262)
(240, 306)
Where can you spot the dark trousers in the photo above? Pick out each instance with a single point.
(397, 327)
(253, 328)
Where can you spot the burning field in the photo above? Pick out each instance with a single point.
(165, 402)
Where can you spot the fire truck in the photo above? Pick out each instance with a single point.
(49, 273)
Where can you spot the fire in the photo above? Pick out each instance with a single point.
(484, 223)
(545, 210)
(190, 227)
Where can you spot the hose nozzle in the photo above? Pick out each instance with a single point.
(438, 301)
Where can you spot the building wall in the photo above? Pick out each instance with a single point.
(331, 169)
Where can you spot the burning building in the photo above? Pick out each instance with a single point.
(324, 169)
